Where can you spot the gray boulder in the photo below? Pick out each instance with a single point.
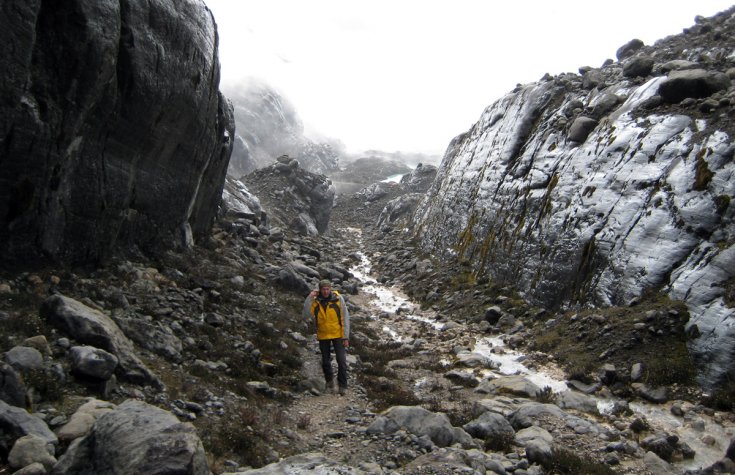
(155, 337)
(537, 442)
(119, 134)
(517, 385)
(581, 128)
(578, 401)
(695, 83)
(658, 394)
(16, 423)
(374, 192)
(12, 389)
(31, 449)
(93, 327)
(629, 49)
(117, 444)
(640, 66)
(92, 362)
(289, 279)
(489, 424)
(24, 358)
(32, 469)
(420, 421)
(525, 415)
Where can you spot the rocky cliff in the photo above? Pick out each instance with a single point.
(600, 187)
(268, 126)
(112, 128)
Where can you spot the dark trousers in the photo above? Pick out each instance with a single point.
(339, 351)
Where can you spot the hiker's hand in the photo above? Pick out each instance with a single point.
(313, 293)
(345, 342)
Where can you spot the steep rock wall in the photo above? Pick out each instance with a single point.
(268, 126)
(112, 128)
(599, 188)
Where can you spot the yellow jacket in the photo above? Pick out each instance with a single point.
(331, 316)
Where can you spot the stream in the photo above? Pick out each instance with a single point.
(700, 431)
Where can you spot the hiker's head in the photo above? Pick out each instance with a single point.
(325, 287)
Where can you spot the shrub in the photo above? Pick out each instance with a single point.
(499, 442)
(545, 395)
(723, 399)
(674, 367)
(567, 462)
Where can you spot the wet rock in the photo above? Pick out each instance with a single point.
(663, 446)
(493, 314)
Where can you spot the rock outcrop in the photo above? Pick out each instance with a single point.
(602, 187)
(136, 438)
(269, 126)
(295, 198)
(112, 128)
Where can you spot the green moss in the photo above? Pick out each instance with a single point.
(722, 202)
(466, 236)
(703, 175)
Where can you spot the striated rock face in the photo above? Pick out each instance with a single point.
(268, 126)
(112, 128)
(601, 188)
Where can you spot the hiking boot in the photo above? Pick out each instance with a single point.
(331, 386)
(342, 390)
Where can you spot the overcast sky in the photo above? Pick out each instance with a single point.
(410, 75)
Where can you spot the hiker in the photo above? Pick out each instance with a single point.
(332, 319)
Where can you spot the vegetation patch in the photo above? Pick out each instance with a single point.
(650, 333)
(564, 461)
(702, 174)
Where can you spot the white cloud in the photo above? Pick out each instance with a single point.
(410, 75)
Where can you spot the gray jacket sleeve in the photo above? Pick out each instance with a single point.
(346, 317)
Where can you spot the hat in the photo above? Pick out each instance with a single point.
(324, 283)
